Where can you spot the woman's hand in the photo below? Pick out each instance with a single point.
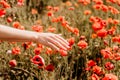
(52, 40)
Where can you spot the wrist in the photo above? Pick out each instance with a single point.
(34, 37)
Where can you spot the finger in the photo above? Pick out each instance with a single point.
(65, 41)
(57, 43)
(60, 34)
(62, 43)
(53, 46)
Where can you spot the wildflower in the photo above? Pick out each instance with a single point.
(16, 24)
(98, 1)
(102, 33)
(76, 31)
(2, 12)
(37, 51)
(110, 77)
(71, 8)
(16, 50)
(115, 21)
(51, 29)
(71, 41)
(50, 67)
(112, 30)
(91, 63)
(68, 3)
(97, 6)
(5, 4)
(117, 56)
(109, 66)
(13, 63)
(26, 45)
(37, 59)
(82, 44)
(104, 8)
(9, 20)
(87, 12)
(20, 2)
(84, 2)
(96, 26)
(97, 70)
(63, 52)
(34, 11)
(50, 13)
(106, 53)
(37, 28)
(56, 9)
(82, 37)
(94, 77)
(93, 35)
(49, 51)
(49, 7)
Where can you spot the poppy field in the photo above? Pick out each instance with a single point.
(92, 28)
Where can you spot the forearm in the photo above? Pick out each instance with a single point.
(12, 34)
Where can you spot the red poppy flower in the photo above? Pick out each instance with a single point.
(91, 63)
(71, 41)
(102, 33)
(97, 70)
(109, 66)
(106, 53)
(50, 13)
(110, 77)
(50, 67)
(87, 12)
(37, 59)
(2, 12)
(12, 63)
(95, 77)
(56, 9)
(37, 28)
(96, 26)
(104, 8)
(82, 44)
(49, 7)
(16, 24)
(20, 2)
(9, 19)
(37, 50)
(49, 51)
(16, 50)
(4, 4)
(63, 52)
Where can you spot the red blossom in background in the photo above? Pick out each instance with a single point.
(102, 33)
(16, 51)
(97, 69)
(37, 28)
(95, 77)
(20, 2)
(5, 4)
(82, 44)
(37, 50)
(50, 67)
(2, 12)
(63, 52)
(12, 63)
(91, 63)
(109, 66)
(110, 77)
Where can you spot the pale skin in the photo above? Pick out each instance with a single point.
(54, 41)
